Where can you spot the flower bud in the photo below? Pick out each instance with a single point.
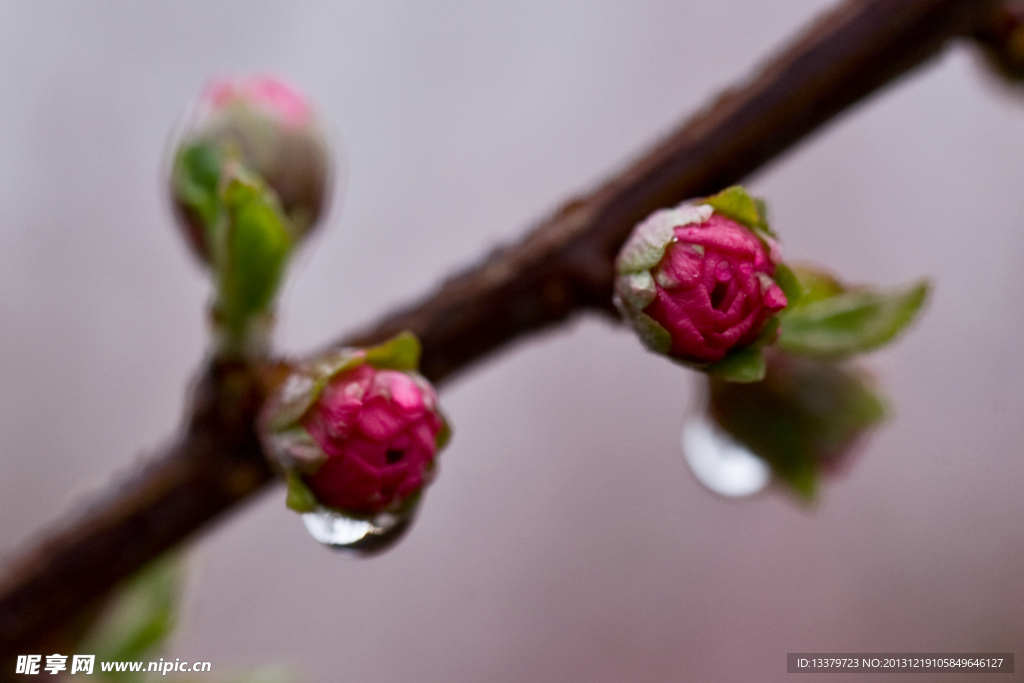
(356, 431)
(698, 281)
(268, 128)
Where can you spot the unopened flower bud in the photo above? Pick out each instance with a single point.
(698, 281)
(268, 128)
(356, 431)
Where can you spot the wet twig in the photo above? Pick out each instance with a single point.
(562, 267)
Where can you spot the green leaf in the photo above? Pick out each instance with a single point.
(141, 615)
(443, 436)
(851, 322)
(762, 215)
(197, 171)
(744, 365)
(735, 203)
(257, 247)
(300, 498)
(401, 352)
(806, 416)
(789, 284)
(815, 284)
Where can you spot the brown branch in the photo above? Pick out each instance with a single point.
(1002, 40)
(562, 266)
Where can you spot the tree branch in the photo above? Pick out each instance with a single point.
(563, 266)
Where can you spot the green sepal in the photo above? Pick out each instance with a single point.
(443, 436)
(296, 449)
(301, 390)
(636, 290)
(734, 203)
(762, 214)
(651, 333)
(300, 498)
(401, 352)
(854, 321)
(335, 363)
(789, 284)
(288, 412)
(741, 365)
(197, 171)
(645, 247)
(141, 614)
(256, 250)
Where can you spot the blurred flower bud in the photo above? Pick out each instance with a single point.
(698, 281)
(804, 418)
(270, 130)
(356, 431)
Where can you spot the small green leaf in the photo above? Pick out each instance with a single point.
(197, 171)
(141, 615)
(300, 498)
(735, 203)
(401, 352)
(806, 416)
(762, 215)
(852, 322)
(815, 284)
(443, 436)
(257, 247)
(789, 284)
(743, 365)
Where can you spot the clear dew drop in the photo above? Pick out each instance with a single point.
(720, 463)
(355, 535)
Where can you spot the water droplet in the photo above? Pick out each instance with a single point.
(720, 463)
(356, 535)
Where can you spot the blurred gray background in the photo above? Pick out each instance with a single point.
(565, 539)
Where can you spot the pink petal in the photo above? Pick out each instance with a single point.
(380, 421)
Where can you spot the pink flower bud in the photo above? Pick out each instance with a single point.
(378, 429)
(279, 100)
(268, 128)
(696, 284)
(356, 431)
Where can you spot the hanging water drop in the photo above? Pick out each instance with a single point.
(719, 462)
(358, 536)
